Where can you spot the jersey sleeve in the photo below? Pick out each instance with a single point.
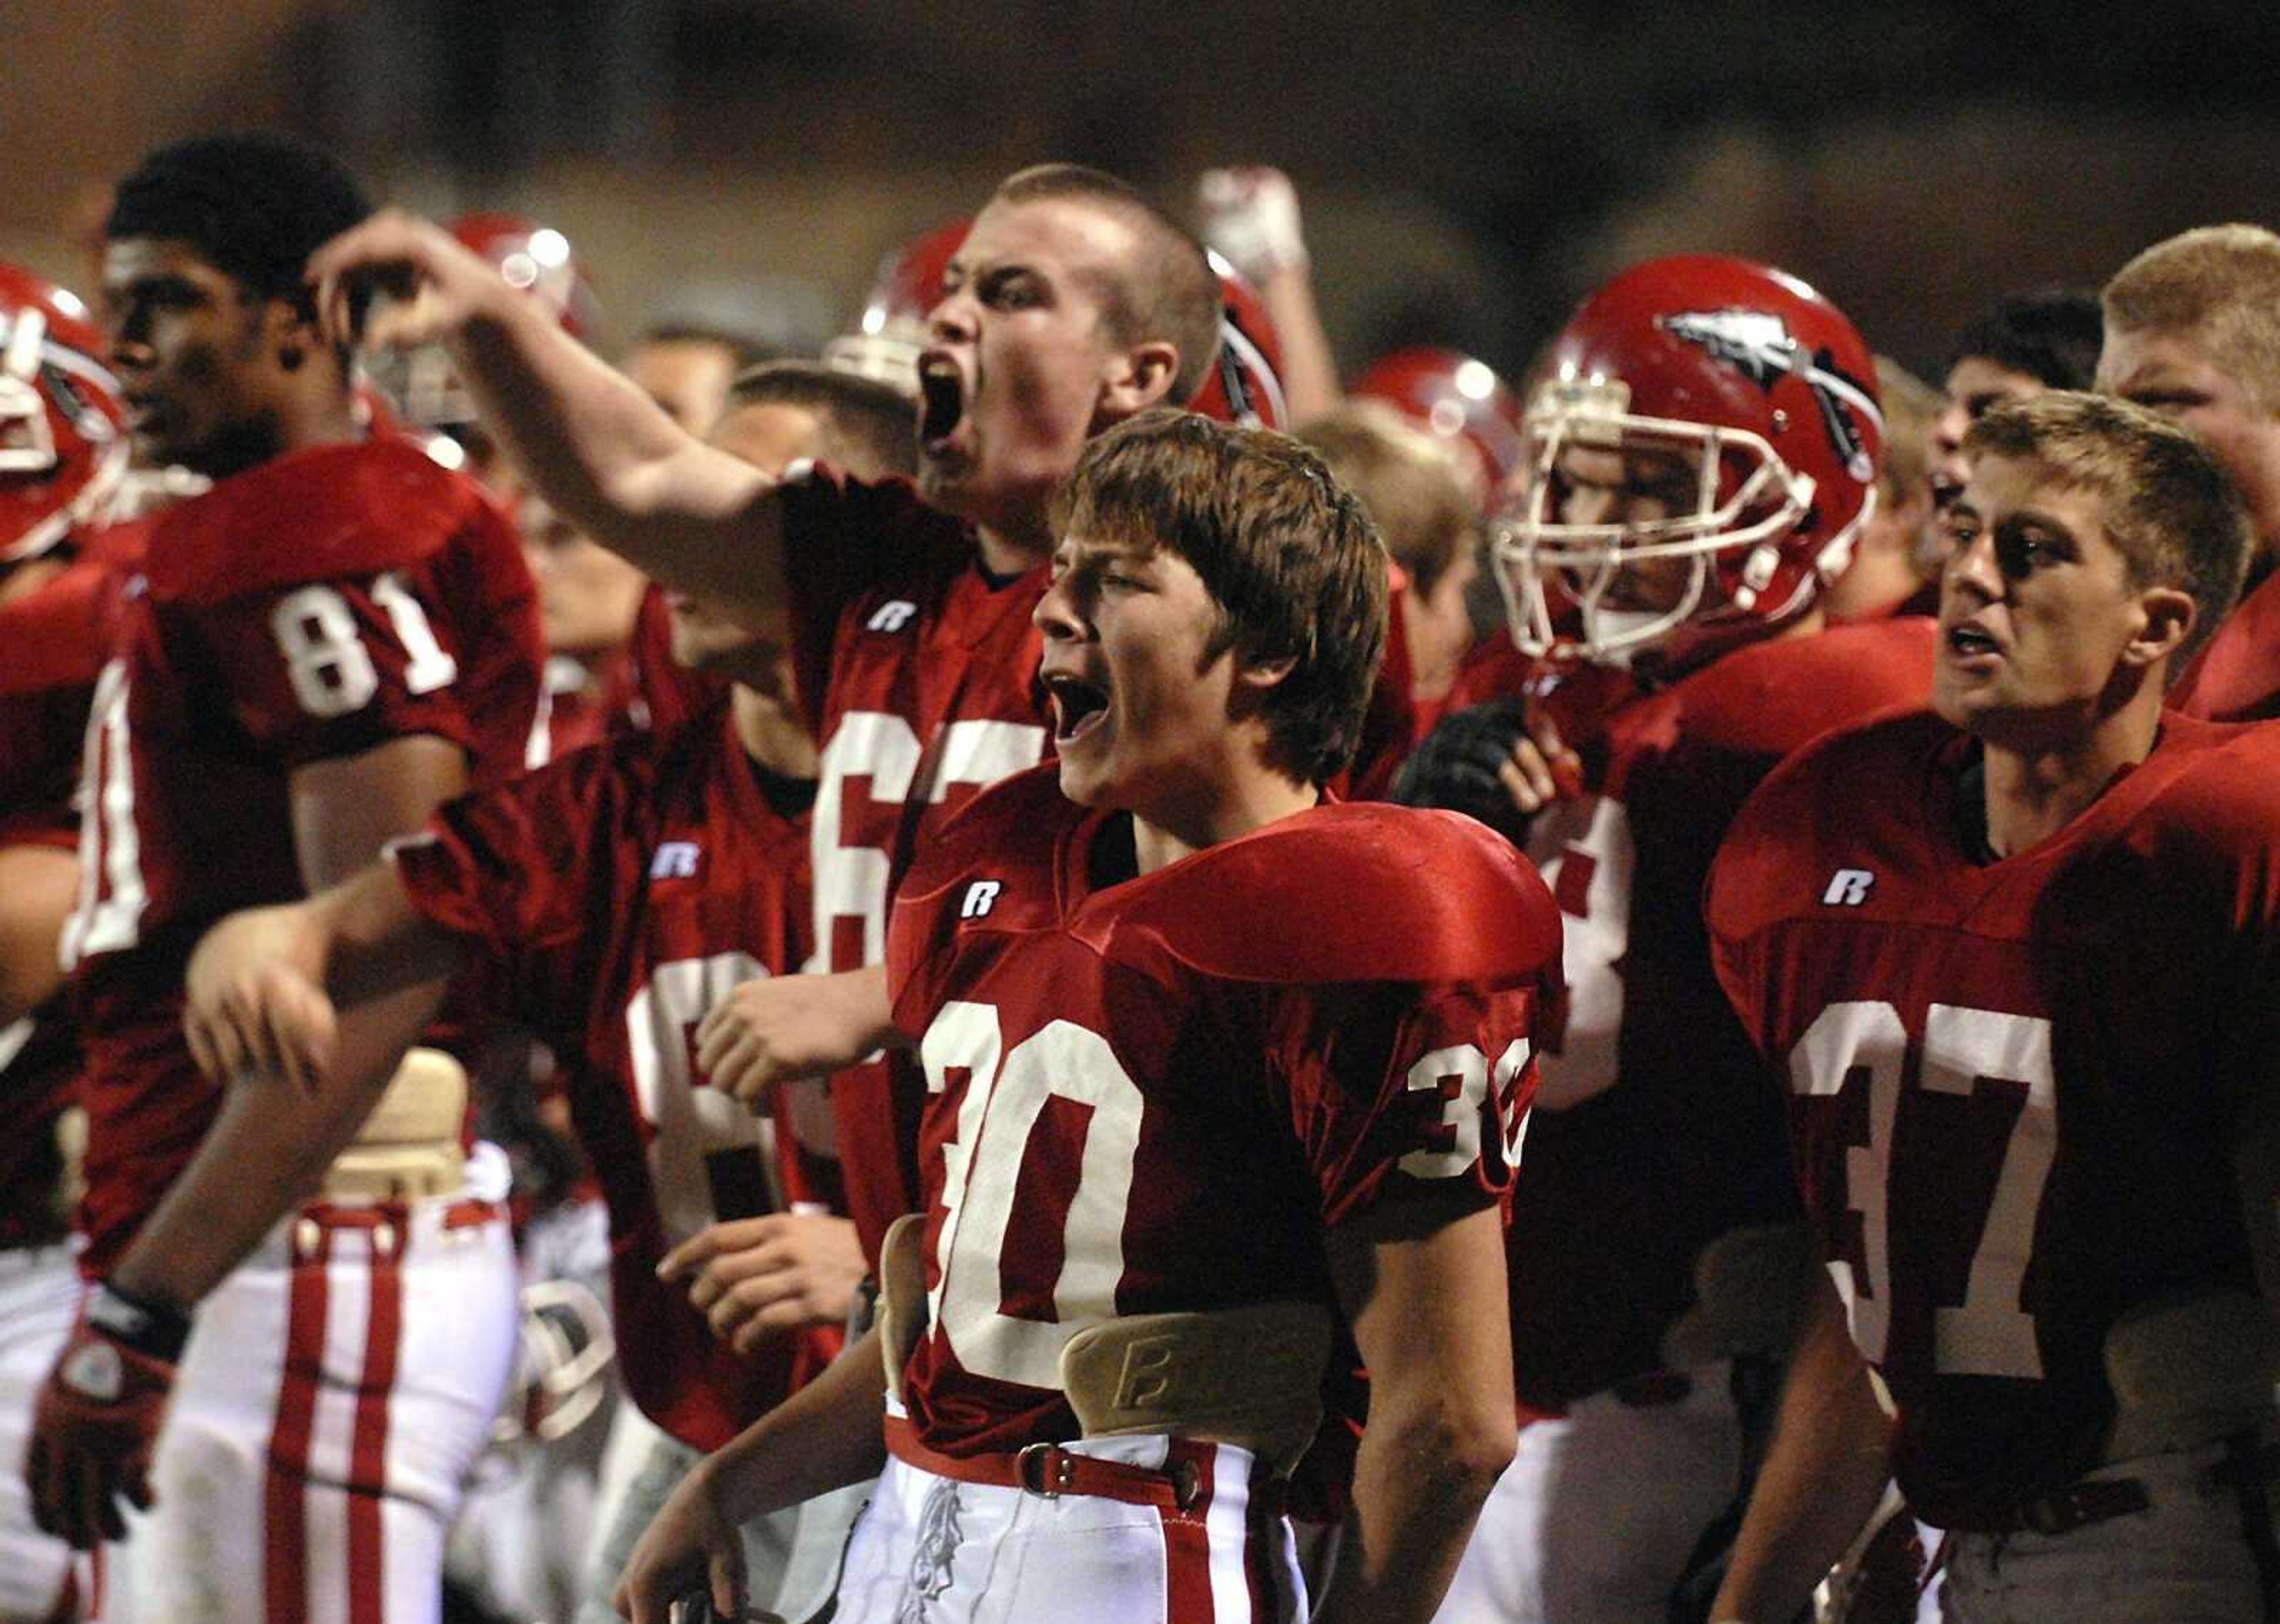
(842, 537)
(1393, 1086)
(334, 668)
(526, 874)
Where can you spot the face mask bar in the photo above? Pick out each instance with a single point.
(1531, 549)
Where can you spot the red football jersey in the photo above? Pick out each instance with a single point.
(312, 608)
(40, 736)
(2236, 676)
(39, 1052)
(2012, 1084)
(1653, 1133)
(931, 693)
(607, 901)
(58, 636)
(39, 1067)
(1155, 1096)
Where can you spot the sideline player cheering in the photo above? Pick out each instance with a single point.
(2016, 963)
(1203, 1055)
(606, 901)
(1702, 458)
(318, 650)
(1071, 305)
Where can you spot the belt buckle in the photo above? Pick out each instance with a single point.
(1053, 1470)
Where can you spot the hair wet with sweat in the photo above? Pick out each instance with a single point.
(2171, 509)
(1288, 554)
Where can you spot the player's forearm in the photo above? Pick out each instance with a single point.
(1422, 1279)
(265, 1152)
(611, 460)
(1824, 1474)
(1309, 371)
(370, 940)
(1425, 1464)
(825, 1436)
(870, 1012)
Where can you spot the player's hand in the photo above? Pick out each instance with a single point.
(778, 1028)
(434, 285)
(1501, 762)
(690, 1544)
(753, 1277)
(97, 1421)
(252, 1001)
(1250, 216)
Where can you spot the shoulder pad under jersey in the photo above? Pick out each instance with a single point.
(335, 510)
(1363, 892)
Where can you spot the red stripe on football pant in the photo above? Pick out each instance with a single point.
(1187, 1541)
(367, 1483)
(284, 1521)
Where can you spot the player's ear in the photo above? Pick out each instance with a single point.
(1262, 675)
(289, 325)
(1138, 377)
(2169, 615)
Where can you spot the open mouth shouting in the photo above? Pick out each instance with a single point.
(1080, 707)
(942, 401)
(1972, 643)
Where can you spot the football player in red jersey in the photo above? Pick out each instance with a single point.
(2014, 965)
(312, 653)
(1071, 305)
(1204, 1056)
(2191, 332)
(1697, 462)
(606, 901)
(62, 447)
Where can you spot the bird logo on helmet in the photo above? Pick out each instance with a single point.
(1245, 384)
(62, 441)
(1695, 463)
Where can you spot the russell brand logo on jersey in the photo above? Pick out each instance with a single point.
(891, 617)
(1848, 888)
(980, 897)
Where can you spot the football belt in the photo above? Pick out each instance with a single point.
(1250, 1377)
(409, 1147)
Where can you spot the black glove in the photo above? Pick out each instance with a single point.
(1456, 766)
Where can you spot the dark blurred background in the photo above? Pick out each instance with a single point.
(1467, 168)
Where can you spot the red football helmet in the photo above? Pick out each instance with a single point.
(1459, 400)
(1245, 385)
(423, 383)
(62, 441)
(892, 330)
(1748, 402)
